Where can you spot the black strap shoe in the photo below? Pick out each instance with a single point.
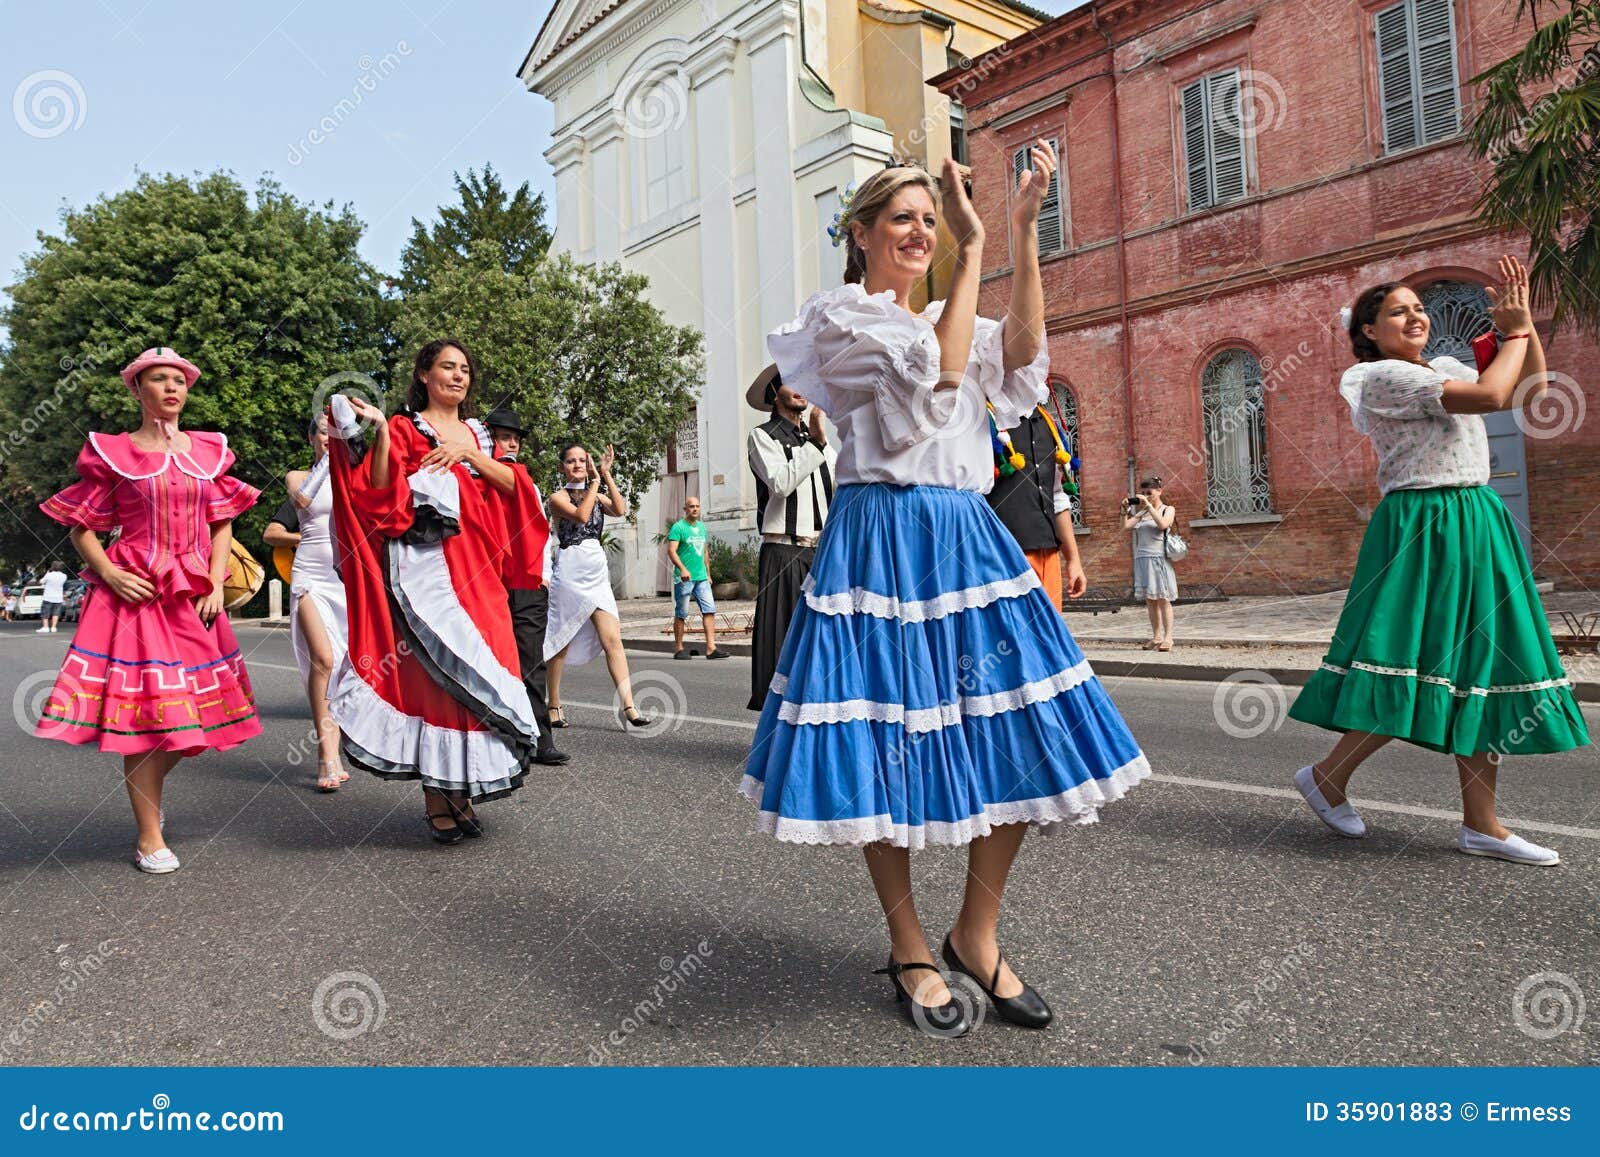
(1027, 1009)
(950, 1019)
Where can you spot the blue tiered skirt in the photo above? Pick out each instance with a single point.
(927, 689)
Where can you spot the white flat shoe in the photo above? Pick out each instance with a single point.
(157, 863)
(1343, 819)
(1513, 848)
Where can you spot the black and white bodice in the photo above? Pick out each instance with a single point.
(569, 533)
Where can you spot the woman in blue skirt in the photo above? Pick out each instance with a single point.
(928, 691)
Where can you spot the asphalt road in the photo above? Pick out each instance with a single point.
(620, 910)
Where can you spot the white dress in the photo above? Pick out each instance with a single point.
(580, 585)
(314, 577)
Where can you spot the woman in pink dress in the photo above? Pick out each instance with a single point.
(154, 672)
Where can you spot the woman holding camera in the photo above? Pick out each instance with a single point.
(1153, 581)
(927, 690)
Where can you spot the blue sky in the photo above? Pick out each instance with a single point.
(186, 87)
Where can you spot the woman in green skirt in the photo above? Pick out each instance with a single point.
(1442, 641)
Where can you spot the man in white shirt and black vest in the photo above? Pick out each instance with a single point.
(1033, 504)
(793, 465)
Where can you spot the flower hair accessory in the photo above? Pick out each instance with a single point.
(840, 229)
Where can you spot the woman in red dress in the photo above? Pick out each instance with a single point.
(153, 673)
(433, 690)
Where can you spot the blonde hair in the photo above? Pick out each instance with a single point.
(870, 200)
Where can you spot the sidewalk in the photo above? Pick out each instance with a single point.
(1280, 637)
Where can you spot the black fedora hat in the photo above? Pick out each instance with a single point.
(504, 420)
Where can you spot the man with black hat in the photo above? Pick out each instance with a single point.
(1031, 501)
(793, 465)
(529, 596)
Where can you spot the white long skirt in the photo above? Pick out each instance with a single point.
(327, 599)
(579, 586)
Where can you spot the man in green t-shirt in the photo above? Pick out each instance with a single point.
(686, 547)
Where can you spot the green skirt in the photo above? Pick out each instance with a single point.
(1443, 640)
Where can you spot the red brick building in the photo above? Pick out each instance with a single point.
(1233, 172)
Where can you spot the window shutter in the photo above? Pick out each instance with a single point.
(1194, 145)
(1051, 233)
(1227, 136)
(1436, 69)
(1397, 92)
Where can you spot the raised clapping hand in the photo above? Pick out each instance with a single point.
(607, 459)
(959, 214)
(1509, 304)
(1033, 185)
(364, 409)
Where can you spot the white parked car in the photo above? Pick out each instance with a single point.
(28, 605)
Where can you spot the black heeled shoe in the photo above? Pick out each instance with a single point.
(634, 720)
(1027, 1009)
(450, 835)
(469, 825)
(950, 1019)
(558, 717)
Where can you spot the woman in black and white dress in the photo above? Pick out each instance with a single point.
(583, 612)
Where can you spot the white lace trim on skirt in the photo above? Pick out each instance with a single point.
(1077, 806)
(1441, 681)
(857, 600)
(479, 761)
(924, 719)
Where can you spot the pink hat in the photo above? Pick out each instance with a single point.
(159, 356)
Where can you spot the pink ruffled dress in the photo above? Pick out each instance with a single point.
(151, 676)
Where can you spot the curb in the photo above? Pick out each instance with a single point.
(665, 646)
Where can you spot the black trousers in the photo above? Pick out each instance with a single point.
(782, 570)
(530, 610)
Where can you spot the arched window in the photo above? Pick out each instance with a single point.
(1233, 405)
(1066, 415)
(1458, 311)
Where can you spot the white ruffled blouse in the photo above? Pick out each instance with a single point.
(872, 367)
(1400, 407)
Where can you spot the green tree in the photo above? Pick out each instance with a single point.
(575, 349)
(1539, 125)
(486, 213)
(267, 295)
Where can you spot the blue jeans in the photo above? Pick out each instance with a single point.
(682, 589)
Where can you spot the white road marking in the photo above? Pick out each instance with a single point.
(1405, 809)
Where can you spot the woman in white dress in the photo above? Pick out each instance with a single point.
(317, 619)
(583, 611)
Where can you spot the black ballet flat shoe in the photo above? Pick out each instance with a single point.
(1027, 1009)
(450, 835)
(682, 655)
(950, 1019)
(719, 653)
(551, 757)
